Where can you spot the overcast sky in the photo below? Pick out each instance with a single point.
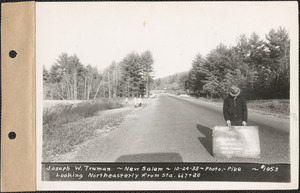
(100, 33)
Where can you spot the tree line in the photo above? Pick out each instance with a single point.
(175, 82)
(69, 79)
(261, 68)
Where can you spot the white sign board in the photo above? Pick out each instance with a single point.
(236, 141)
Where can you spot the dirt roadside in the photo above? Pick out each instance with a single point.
(110, 119)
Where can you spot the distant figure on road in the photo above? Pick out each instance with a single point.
(235, 108)
(135, 102)
(140, 101)
(126, 100)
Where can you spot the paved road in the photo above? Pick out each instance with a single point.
(171, 129)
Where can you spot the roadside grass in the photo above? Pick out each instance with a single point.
(276, 107)
(69, 113)
(280, 107)
(64, 127)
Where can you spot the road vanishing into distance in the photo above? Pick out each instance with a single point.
(172, 129)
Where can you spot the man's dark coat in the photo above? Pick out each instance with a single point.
(235, 108)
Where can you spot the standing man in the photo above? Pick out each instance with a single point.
(235, 108)
(140, 101)
(135, 101)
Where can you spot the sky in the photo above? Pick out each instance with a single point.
(175, 32)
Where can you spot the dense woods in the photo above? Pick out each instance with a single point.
(69, 79)
(260, 67)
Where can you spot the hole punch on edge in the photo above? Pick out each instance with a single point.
(13, 54)
(12, 135)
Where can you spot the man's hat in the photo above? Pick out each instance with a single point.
(234, 91)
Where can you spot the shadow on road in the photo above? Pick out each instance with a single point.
(151, 157)
(207, 140)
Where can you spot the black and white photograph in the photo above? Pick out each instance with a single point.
(157, 92)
